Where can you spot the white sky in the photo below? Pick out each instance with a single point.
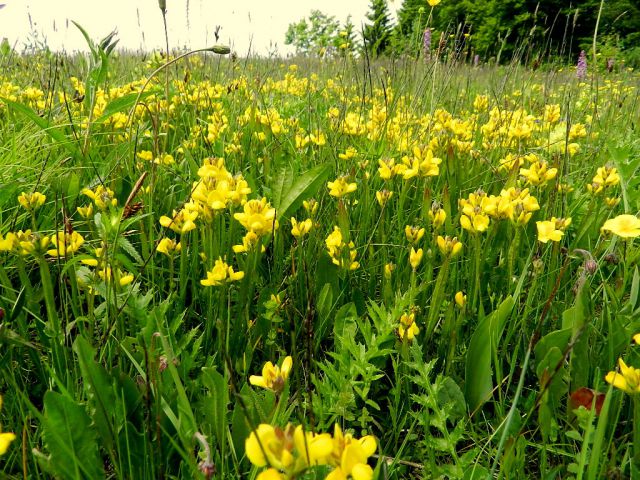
(259, 23)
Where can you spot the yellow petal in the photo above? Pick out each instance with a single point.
(362, 471)
(257, 380)
(5, 441)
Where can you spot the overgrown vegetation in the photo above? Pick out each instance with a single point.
(338, 268)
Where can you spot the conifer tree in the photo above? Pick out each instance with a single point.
(377, 34)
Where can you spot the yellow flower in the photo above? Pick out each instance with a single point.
(268, 445)
(627, 380)
(221, 273)
(8, 437)
(626, 226)
(547, 231)
(340, 187)
(273, 377)
(102, 196)
(311, 206)
(636, 338)
(342, 254)
(271, 474)
(415, 257)
(258, 217)
(31, 201)
(437, 215)
(538, 173)
(408, 327)
(413, 234)
(383, 196)
(312, 448)
(300, 229)
(182, 222)
(449, 247)
(65, 244)
(433, 3)
(388, 270)
(350, 455)
(169, 247)
(86, 212)
(460, 299)
(348, 154)
(249, 242)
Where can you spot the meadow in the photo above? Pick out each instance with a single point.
(216, 267)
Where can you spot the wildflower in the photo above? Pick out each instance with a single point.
(626, 226)
(221, 273)
(86, 212)
(300, 229)
(636, 338)
(605, 177)
(437, 215)
(433, 3)
(387, 168)
(65, 244)
(538, 173)
(628, 380)
(413, 234)
(182, 222)
(249, 242)
(408, 327)
(267, 445)
(123, 278)
(102, 196)
(460, 299)
(258, 217)
(349, 153)
(388, 270)
(426, 42)
(474, 216)
(32, 201)
(612, 202)
(383, 196)
(25, 243)
(273, 377)
(169, 247)
(415, 257)
(311, 206)
(581, 68)
(449, 247)
(341, 187)
(342, 254)
(5, 438)
(350, 455)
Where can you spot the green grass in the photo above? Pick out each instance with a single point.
(140, 380)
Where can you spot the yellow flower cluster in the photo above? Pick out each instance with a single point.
(291, 451)
(220, 274)
(341, 253)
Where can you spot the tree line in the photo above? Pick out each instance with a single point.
(531, 30)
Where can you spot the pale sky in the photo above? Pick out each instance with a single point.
(259, 23)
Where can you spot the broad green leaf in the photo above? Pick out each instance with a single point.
(216, 401)
(302, 187)
(478, 370)
(99, 387)
(70, 439)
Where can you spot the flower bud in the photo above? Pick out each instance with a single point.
(220, 49)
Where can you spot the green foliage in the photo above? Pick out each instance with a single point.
(377, 33)
(314, 35)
